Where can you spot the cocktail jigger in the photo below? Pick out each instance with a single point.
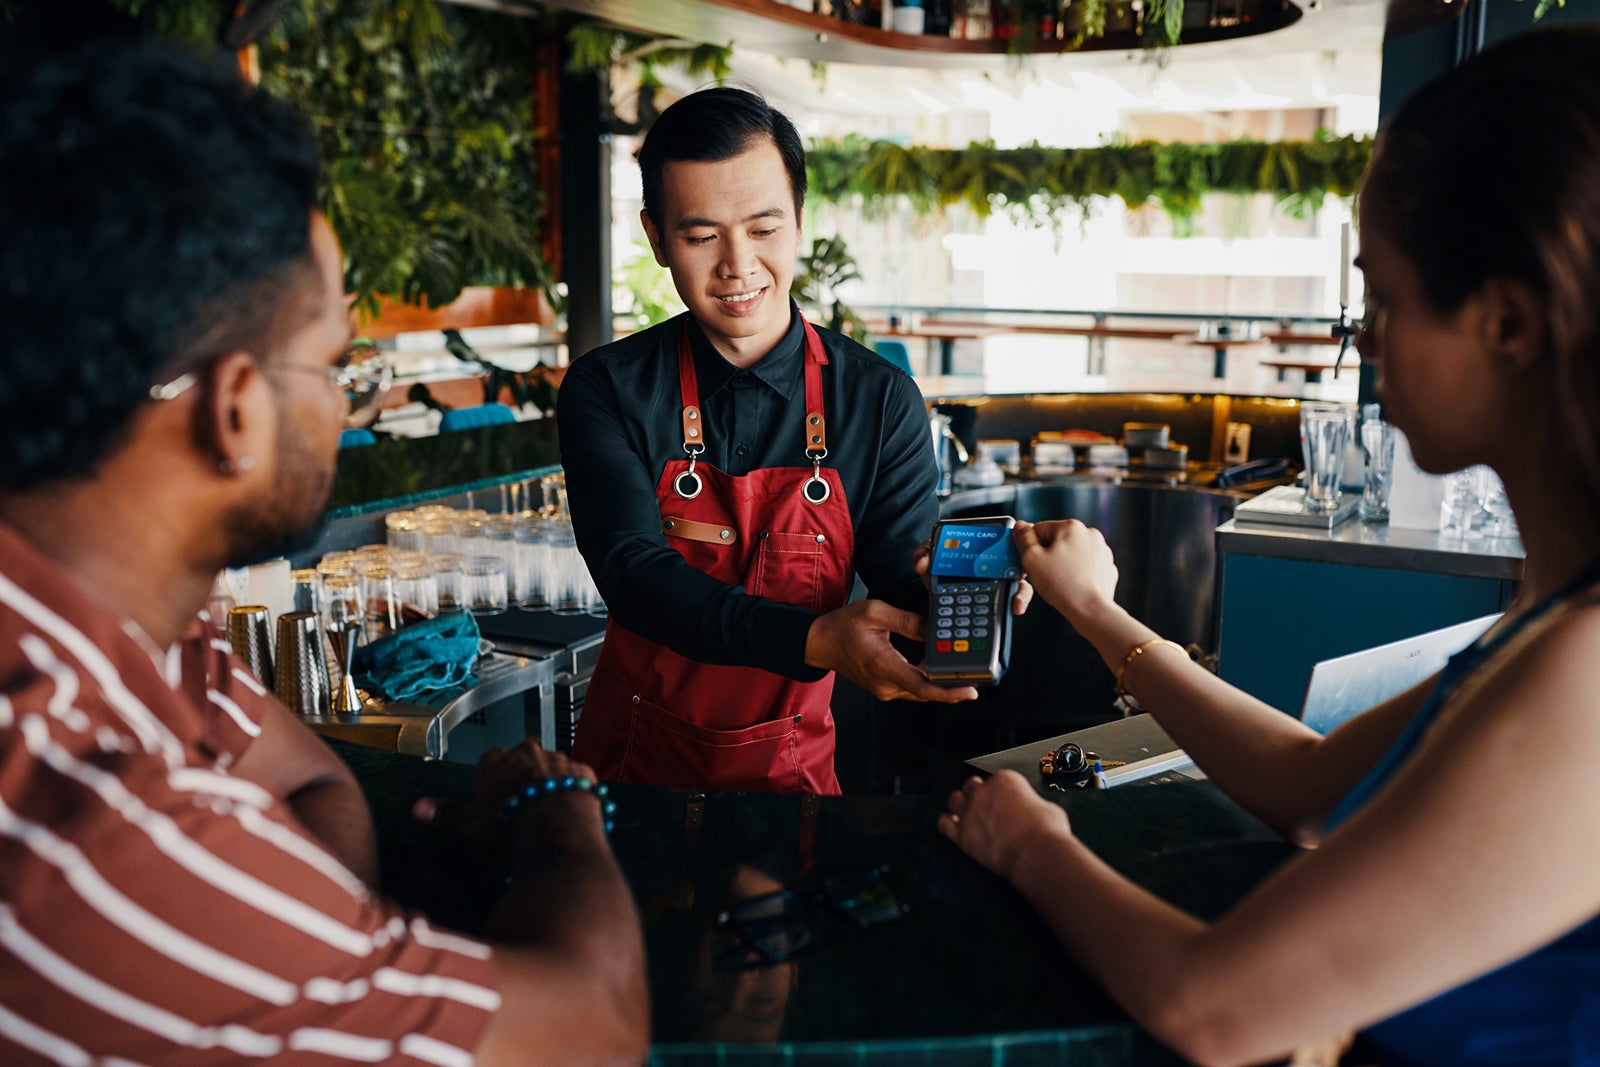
(348, 701)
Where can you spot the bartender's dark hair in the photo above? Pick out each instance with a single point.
(156, 213)
(1493, 170)
(717, 124)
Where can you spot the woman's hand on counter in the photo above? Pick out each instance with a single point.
(998, 820)
(854, 641)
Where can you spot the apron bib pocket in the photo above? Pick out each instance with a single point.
(788, 567)
(672, 750)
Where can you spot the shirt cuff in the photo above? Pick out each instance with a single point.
(778, 641)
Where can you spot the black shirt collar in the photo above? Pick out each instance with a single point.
(779, 370)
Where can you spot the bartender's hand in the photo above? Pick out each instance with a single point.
(854, 640)
(996, 821)
(1071, 566)
(922, 556)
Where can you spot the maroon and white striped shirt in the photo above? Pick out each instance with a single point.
(155, 909)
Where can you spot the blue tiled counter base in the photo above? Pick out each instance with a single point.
(1089, 1046)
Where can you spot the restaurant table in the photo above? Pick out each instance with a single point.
(1219, 348)
(947, 331)
(966, 974)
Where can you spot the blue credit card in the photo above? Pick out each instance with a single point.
(962, 550)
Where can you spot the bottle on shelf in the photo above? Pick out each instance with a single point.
(971, 20)
(909, 17)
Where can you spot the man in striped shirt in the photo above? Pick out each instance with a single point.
(185, 871)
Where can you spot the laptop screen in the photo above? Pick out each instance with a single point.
(1341, 687)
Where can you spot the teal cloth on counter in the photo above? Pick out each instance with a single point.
(422, 658)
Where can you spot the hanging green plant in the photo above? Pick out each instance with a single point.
(1045, 183)
(422, 111)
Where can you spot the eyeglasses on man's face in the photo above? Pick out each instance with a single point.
(362, 374)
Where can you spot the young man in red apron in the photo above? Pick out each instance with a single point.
(729, 472)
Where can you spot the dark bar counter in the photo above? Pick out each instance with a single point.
(968, 973)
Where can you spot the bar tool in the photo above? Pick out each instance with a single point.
(247, 633)
(349, 700)
(302, 670)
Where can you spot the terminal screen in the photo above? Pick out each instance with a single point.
(976, 550)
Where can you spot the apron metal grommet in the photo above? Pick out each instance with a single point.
(821, 538)
(797, 718)
(636, 698)
(815, 490)
(687, 485)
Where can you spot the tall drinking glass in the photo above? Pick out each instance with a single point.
(416, 592)
(568, 589)
(446, 580)
(385, 613)
(1461, 511)
(483, 584)
(1498, 521)
(403, 529)
(1324, 433)
(1377, 447)
(307, 585)
(529, 567)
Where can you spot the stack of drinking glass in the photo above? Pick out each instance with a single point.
(440, 559)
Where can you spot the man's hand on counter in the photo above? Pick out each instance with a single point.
(854, 641)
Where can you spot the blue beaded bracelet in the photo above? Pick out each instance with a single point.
(566, 784)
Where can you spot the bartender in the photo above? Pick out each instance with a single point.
(729, 471)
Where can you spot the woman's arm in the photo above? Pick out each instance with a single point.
(1353, 932)
(1270, 763)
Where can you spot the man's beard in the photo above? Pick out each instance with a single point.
(290, 519)
(253, 543)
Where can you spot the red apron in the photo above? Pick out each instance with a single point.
(655, 717)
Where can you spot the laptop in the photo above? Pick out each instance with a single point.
(1336, 689)
(1342, 686)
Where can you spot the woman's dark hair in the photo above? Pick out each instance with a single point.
(717, 124)
(1493, 170)
(156, 211)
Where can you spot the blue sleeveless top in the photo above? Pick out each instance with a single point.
(1543, 1009)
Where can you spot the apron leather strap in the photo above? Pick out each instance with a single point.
(816, 428)
(816, 424)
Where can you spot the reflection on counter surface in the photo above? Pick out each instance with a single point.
(949, 960)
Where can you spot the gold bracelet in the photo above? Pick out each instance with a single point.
(1138, 650)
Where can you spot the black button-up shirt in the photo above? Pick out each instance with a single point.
(619, 419)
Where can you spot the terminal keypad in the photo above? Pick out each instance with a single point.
(963, 614)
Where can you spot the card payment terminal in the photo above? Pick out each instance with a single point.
(973, 576)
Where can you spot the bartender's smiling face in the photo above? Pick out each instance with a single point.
(730, 234)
